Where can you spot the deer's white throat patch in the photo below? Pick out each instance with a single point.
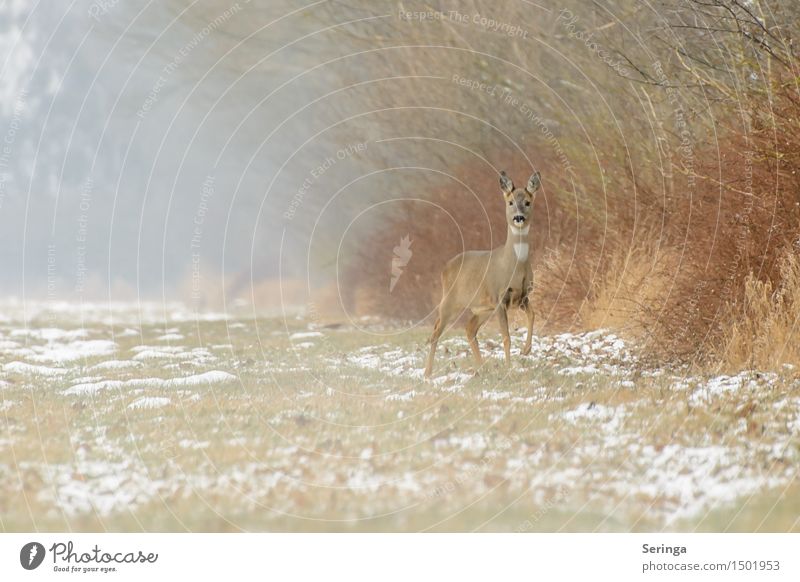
(521, 248)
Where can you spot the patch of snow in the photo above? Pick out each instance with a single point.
(405, 397)
(794, 425)
(69, 352)
(694, 478)
(149, 402)
(191, 444)
(100, 487)
(610, 417)
(164, 349)
(359, 480)
(207, 378)
(116, 365)
(87, 379)
(494, 395)
(720, 385)
(575, 370)
(212, 377)
(455, 378)
(50, 334)
(469, 442)
(366, 361)
(157, 355)
(590, 411)
(185, 315)
(32, 370)
(92, 387)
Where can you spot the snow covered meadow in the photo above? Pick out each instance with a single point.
(153, 417)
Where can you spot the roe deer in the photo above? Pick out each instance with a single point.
(487, 281)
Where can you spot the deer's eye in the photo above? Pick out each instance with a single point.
(527, 203)
(511, 204)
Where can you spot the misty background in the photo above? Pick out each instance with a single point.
(216, 151)
(154, 149)
(197, 150)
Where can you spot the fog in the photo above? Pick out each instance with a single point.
(148, 149)
(207, 149)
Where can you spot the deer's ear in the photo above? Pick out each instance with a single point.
(506, 185)
(534, 182)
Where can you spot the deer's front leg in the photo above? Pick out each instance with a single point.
(437, 332)
(527, 307)
(502, 315)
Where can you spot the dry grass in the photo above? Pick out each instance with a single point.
(630, 289)
(764, 334)
(688, 287)
(659, 225)
(335, 431)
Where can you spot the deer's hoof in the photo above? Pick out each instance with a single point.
(526, 351)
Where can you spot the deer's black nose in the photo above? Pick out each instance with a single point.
(518, 219)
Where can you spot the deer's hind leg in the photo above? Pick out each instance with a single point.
(446, 313)
(473, 325)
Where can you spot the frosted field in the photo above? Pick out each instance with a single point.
(152, 417)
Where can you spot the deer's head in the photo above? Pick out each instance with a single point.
(519, 201)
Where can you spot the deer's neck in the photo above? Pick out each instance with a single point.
(517, 243)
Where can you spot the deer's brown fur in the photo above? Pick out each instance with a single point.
(485, 282)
